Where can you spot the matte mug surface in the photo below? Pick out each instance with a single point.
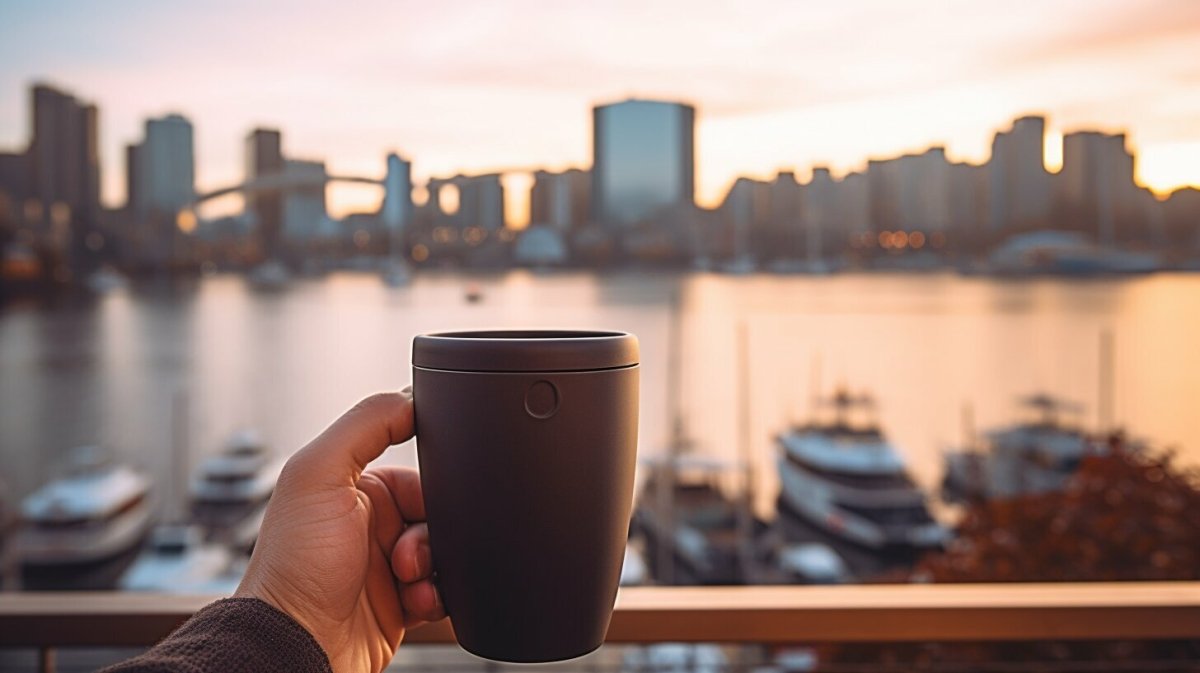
(527, 445)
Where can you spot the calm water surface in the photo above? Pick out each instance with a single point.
(926, 346)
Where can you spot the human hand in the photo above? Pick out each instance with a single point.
(346, 552)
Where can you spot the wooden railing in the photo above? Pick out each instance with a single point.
(863, 613)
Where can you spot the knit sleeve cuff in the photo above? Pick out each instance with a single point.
(234, 634)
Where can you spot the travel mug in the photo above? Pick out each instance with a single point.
(527, 443)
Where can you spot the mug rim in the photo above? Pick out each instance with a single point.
(525, 350)
(526, 334)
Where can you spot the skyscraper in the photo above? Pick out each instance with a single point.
(160, 181)
(304, 209)
(397, 210)
(166, 165)
(1019, 184)
(924, 191)
(643, 159)
(1096, 182)
(480, 201)
(64, 164)
(264, 157)
(561, 200)
(14, 177)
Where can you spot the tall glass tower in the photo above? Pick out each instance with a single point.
(643, 159)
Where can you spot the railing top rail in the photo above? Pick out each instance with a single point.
(861, 613)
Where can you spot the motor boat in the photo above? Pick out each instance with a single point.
(233, 483)
(846, 479)
(98, 510)
(1037, 455)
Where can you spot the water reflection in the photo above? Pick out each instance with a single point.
(287, 363)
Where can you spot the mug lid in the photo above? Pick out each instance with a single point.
(525, 350)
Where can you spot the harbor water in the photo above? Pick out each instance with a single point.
(107, 369)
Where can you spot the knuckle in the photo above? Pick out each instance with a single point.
(292, 472)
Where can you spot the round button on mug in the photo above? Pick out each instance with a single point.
(541, 400)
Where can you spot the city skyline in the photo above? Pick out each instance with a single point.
(1110, 69)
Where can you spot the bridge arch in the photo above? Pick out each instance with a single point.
(281, 182)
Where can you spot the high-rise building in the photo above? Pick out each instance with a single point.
(166, 165)
(924, 196)
(160, 181)
(968, 191)
(14, 175)
(883, 193)
(746, 210)
(480, 201)
(264, 157)
(133, 191)
(561, 200)
(819, 212)
(304, 209)
(397, 209)
(64, 166)
(1096, 184)
(853, 205)
(643, 159)
(1020, 194)
(781, 232)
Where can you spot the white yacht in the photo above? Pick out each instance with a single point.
(849, 481)
(98, 510)
(178, 560)
(243, 474)
(1037, 455)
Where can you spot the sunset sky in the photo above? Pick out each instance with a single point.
(481, 85)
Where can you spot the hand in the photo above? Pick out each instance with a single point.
(345, 552)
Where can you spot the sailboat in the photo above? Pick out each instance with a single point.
(694, 532)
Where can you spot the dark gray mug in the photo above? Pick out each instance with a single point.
(527, 444)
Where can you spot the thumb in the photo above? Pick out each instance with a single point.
(338, 455)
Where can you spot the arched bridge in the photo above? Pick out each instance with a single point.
(283, 182)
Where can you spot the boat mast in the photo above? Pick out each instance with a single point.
(744, 522)
(666, 477)
(177, 469)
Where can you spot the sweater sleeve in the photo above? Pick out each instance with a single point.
(234, 634)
